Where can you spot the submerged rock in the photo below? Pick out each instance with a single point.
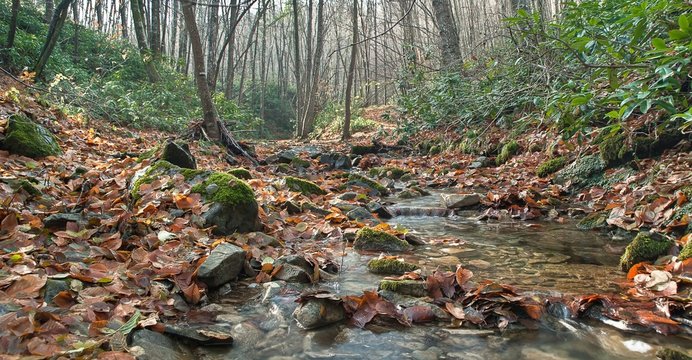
(25, 137)
(204, 335)
(595, 220)
(644, 247)
(223, 265)
(460, 201)
(405, 287)
(374, 240)
(178, 153)
(294, 269)
(390, 266)
(156, 346)
(317, 313)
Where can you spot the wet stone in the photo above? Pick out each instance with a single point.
(200, 334)
(360, 214)
(223, 265)
(317, 313)
(156, 346)
(459, 201)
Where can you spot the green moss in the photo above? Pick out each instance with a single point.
(231, 190)
(592, 221)
(160, 168)
(551, 166)
(241, 173)
(405, 287)
(686, 251)
(361, 180)
(390, 266)
(613, 149)
(672, 354)
(298, 163)
(148, 154)
(29, 188)
(374, 240)
(283, 168)
(644, 247)
(302, 186)
(24, 137)
(436, 149)
(390, 172)
(508, 150)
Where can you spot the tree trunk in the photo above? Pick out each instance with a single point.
(147, 58)
(48, 14)
(230, 66)
(155, 29)
(123, 20)
(310, 112)
(99, 14)
(449, 37)
(296, 54)
(56, 24)
(212, 35)
(182, 48)
(12, 32)
(75, 36)
(351, 70)
(211, 117)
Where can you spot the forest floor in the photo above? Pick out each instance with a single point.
(111, 260)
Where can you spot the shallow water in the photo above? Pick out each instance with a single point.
(549, 258)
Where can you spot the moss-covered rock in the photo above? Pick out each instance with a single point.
(390, 266)
(405, 287)
(390, 172)
(595, 220)
(364, 149)
(613, 149)
(241, 173)
(29, 187)
(581, 172)
(508, 150)
(299, 163)
(651, 145)
(233, 204)
(671, 354)
(374, 240)
(360, 180)
(303, 186)
(551, 166)
(435, 149)
(26, 138)
(686, 251)
(644, 247)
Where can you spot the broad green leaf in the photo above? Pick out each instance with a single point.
(677, 34)
(684, 23)
(659, 44)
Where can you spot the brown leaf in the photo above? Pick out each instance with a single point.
(27, 286)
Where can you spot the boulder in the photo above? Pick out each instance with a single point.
(336, 161)
(315, 313)
(460, 201)
(241, 173)
(389, 172)
(580, 171)
(283, 157)
(156, 346)
(25, 137)
(303, 186)
(223, 265)
(644, 247)
(408, 194)
(374, 240)
(390, 266)
(178, 153)
(233, 207)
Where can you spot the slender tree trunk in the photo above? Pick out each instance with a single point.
(449, 37)
(182, 49)
(155, 29)
(99, 14)
(48, 14)
(12, 32)
(123, 20)
(212, 36)
(310, 113)
(75, 36)
(174, 31)
(230, 56)
(147, 58)
(56, 24)
(211, 117)
(351, 70)
(297, 66)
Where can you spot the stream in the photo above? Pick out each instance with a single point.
(547, 258)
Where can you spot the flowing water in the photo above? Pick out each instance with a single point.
(547, 258)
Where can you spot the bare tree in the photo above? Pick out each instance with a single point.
(145, 53)
(12, 32)
(346, 134)
(48, 14)
(449, 37)
(56, 24)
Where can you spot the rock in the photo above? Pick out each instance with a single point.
(390, 266)
(419, 190)
(360, 180)
(343, 206)
(300, 164)
(420, 211)
(374, 240)
(200, 335)
(261, 240)
(283, 157)
(408, 194)
(405, 287)
(303, 186)
(308, 206)
(579, 172)
(348, 196)
(233, 207)
(245, 336)
(294, 269)
(241, 173)
(271, 289)
(644, 247)
(360, 214)
(460, 201)
(414, 239)
(52, 288)
(381, 211)
(508, 150)
(157, 346)
(60, 220)
(595, 220)
(26, 138)
(316, 313)
(292, 207)
(178, 153)
(223, 265)
(336, 161)
(672, 354)
(389, 172)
